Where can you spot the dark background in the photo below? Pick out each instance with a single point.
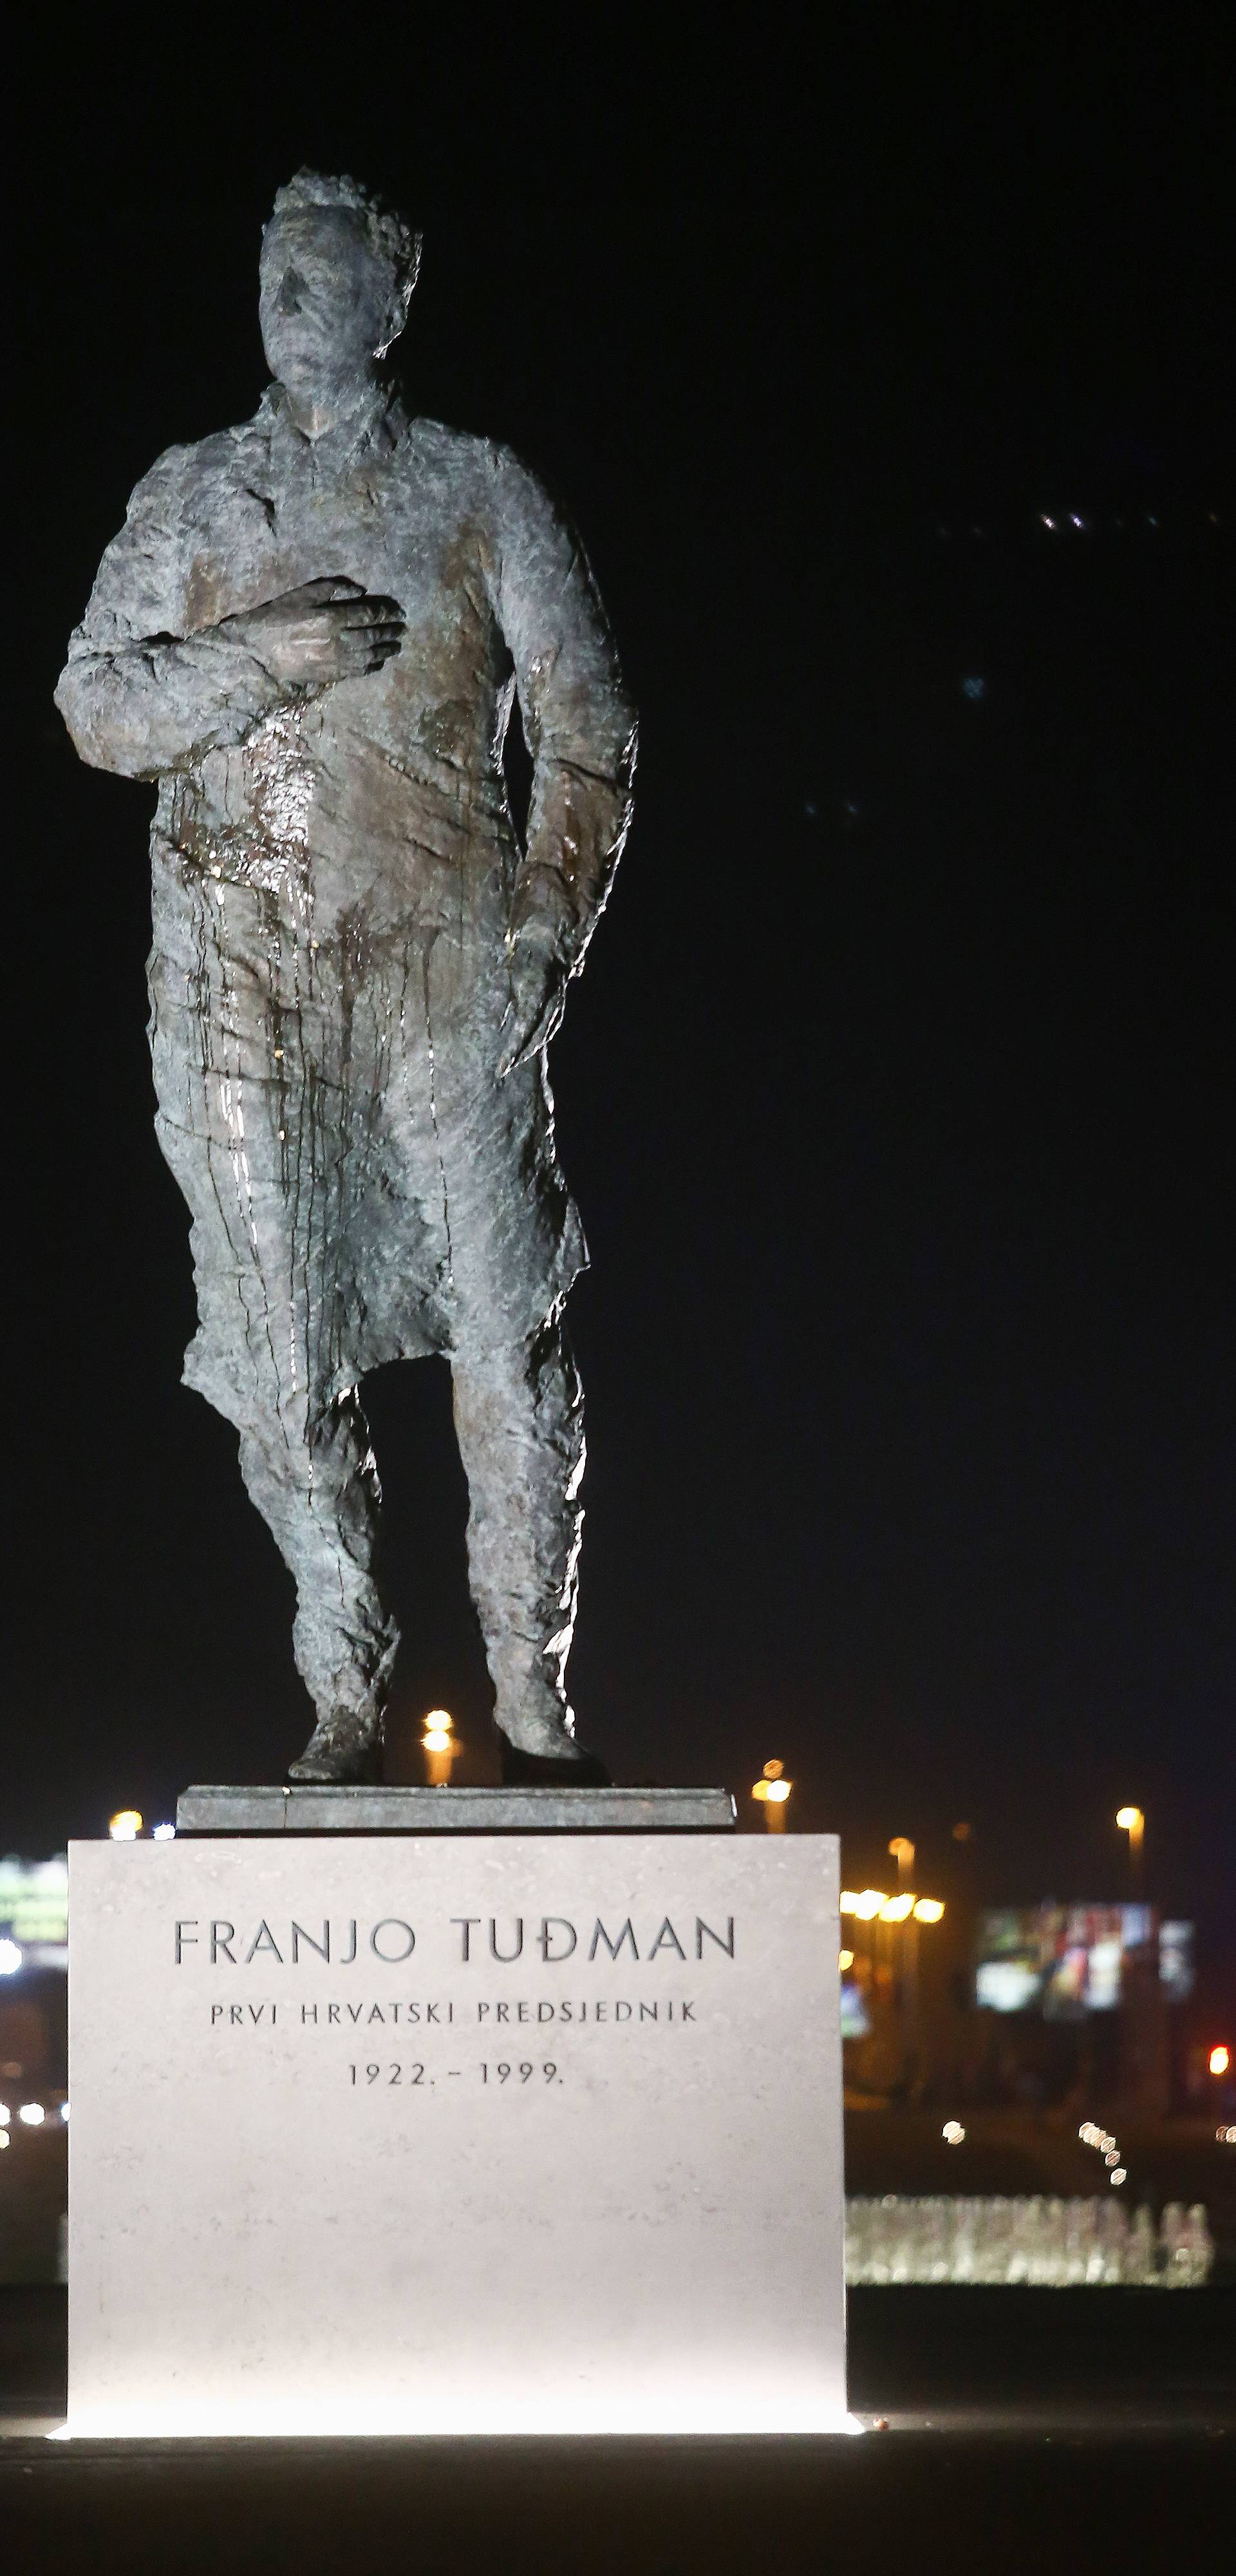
(898, 1093)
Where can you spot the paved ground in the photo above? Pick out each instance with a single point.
(1027, 2429)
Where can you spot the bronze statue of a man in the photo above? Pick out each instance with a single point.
(310, 631)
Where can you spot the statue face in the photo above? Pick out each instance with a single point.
(327, 304)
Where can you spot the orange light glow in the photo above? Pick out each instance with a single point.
(1219, 2060)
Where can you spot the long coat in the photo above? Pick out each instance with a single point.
(337, 885)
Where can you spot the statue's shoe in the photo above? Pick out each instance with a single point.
(572, 1769)
(341, 1751)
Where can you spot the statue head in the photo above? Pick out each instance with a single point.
(337, 273)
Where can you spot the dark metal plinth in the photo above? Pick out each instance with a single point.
(454, 1811)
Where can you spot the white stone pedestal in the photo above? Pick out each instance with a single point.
(304, 2197)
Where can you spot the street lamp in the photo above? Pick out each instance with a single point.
(772, 1790)
(901, 1849)
(1132, 1822)
(125, 1827)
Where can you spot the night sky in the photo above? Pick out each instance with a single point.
(897, 1095)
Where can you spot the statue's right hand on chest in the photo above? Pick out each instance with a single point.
(326, 630)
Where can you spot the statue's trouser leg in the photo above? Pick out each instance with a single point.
(318, 1494)
(519, 1419)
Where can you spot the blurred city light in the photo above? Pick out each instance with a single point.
(952, 2133)
(439, 1746)
(126, 1826)
(772, 1784)
(1220, 2059)
(901, 1849)
(6, 2115)
(771, 1791)
(64, 2110)
(1044, 2242)
(163, 1833)
(4, 2139)
(33, 2114)
(1092, 2135)
(11, 1957)
(845, 1959)
(870, 1901)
